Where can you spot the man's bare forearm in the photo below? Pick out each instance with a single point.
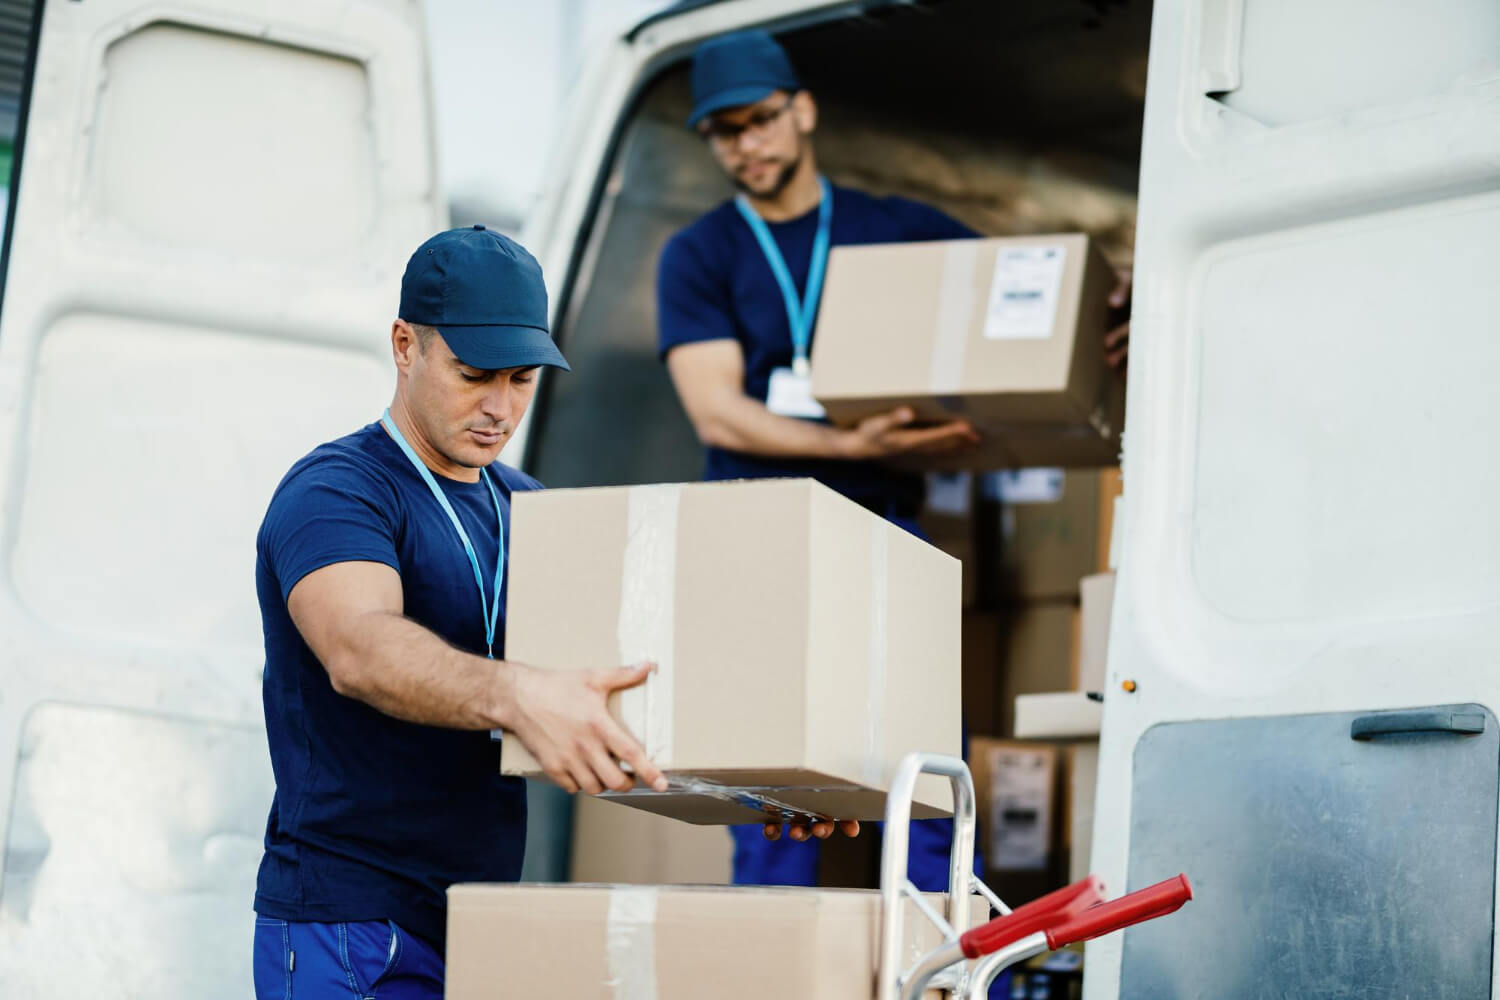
(746, 425)
(395, 665)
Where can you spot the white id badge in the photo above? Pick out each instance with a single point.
(791, 395)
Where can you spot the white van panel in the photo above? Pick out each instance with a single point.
(1307, 524)
(216, 203)
(225, 143)
(167, 495)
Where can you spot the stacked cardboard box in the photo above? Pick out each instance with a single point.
(804, 645)
(1051, 536)
(586, 941)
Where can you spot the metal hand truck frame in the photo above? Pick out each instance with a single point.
(1076, 913)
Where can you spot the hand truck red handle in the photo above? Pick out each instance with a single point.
(1049, 911)
(1143, 904)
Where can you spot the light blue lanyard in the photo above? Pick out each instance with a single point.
(799, 315)
(491, 612)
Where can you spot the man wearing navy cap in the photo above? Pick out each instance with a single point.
(381, 576)
(737, 296)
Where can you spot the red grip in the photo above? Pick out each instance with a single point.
(1144, 904)
(1036, 915)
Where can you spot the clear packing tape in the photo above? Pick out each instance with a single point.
(955, 311)
(646, 627)
(630, 943)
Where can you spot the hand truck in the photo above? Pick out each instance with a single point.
(968, 960)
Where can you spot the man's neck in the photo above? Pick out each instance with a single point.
(800, 196)
(430, 456)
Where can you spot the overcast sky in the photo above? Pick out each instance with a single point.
(501, 70)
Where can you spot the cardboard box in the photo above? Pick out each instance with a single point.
(983, 662)
(1111, 488)
(803, 644)
(1097, 600)
(605, 942)
(1016, 787)
(1039, 647)
(1057, 715)
(1049, 531)
(1007, 333)
(632, 847)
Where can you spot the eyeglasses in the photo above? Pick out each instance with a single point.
(726, 135)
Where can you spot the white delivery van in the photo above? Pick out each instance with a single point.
(1307, 548)
(212, 207)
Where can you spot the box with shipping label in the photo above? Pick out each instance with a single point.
(673, 943)
(1015, 784)
(803, 645)
(1006, 333)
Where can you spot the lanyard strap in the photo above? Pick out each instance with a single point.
(490, 612)
(799, 315)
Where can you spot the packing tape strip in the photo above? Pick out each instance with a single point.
(646, 629)
(955, 309)
(880, 572)
(630, 942)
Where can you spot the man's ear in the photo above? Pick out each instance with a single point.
(805, 112)
(404, 345)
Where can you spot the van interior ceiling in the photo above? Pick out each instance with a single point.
(1021, 116)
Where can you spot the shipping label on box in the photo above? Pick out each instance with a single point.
(1023, 292)
(803, 645)
(1018, 804)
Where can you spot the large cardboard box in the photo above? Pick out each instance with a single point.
(803, 644)
(633, 847)
(1007, 333)
(673, 943)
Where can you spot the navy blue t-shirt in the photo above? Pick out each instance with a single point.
(373, 817)
(715, 283)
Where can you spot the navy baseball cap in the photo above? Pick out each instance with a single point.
(734, 70)
(484, 294)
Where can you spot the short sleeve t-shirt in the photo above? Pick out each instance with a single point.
(373, 818)
(715, 283)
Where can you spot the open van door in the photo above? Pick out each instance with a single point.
(1308, 598)
(1308, 554)
(1016, 117)
(211, 210)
